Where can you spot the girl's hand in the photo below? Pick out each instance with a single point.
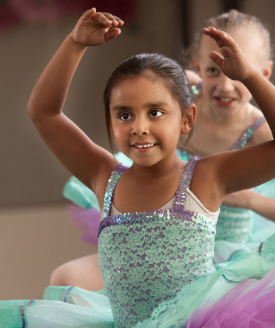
(253, 201)
(232, 61)
(193, 77)
(93, 29)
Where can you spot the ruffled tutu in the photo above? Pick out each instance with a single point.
(240, 293)
(239, 230)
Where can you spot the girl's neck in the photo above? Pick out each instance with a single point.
(164, 166)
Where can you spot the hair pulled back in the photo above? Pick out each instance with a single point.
(233, 20)
(153, 66)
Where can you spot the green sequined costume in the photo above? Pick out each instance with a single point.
(157, 269)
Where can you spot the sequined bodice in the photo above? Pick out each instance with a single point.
(234, 224)
(146, 258)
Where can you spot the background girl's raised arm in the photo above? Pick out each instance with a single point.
(252, 166)
(72, 147)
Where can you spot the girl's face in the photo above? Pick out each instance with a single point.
(225, 97)
(146, 120)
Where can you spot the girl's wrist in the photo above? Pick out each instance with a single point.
(252, 77)
(74, 44)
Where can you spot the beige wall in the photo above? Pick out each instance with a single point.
(34, 241)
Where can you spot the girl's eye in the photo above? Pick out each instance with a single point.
(155, 113)
(125, 117)
(212, 70)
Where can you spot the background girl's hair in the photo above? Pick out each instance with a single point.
(230, 21)
(152, 66)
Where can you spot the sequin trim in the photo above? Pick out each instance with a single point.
(177, 212)
(67, 294)
(240, 143)
(32, 302)
(112, 182)
(248, 134)
(23, 317)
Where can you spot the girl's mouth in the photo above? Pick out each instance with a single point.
(143, 146)
(224, 101)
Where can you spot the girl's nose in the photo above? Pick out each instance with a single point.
(225, 84)
(140, 127)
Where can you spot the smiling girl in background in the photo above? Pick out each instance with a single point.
(227, 121)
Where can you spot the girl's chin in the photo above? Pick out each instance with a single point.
(226, 111)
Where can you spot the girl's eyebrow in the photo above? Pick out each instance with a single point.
(148, 105)
(156, 104)
(119, 108)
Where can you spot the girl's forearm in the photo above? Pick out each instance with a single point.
(262, 205)
(49, 93)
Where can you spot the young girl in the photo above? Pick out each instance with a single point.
(157, 233)
(230, 123)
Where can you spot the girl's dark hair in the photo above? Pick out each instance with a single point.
(233, 20)
(153, 66)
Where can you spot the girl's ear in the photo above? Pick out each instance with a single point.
(196, 65)
(188, 119)
(267, 71)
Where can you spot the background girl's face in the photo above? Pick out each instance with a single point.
(225, 97)
(146, 120)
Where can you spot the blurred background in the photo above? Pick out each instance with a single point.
(36, 234)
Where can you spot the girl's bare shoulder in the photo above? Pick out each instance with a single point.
(263, 132)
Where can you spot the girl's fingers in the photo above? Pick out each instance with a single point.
(115, 20)
(111, 34)
(216, 57)
(107, 19)
(218, 35)
(89, 12)
(120, 21)
(101, 18)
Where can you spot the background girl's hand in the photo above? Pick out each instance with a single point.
(232, 60)
(238, 199)
(193, 77)
(94, 28)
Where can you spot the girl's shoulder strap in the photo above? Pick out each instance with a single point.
(112, 182)
(242, 141)
(185, 181)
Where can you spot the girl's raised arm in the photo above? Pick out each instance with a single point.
(72, 147)
(232, 171)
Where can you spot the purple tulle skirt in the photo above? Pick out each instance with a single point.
(88, 221)
(249, 305)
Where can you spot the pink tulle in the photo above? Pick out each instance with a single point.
(88, 221)
(249, 305)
